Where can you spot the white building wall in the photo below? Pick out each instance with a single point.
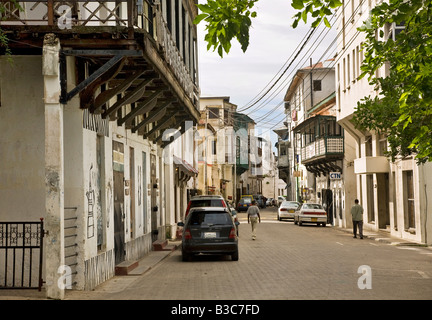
(22, 165)
(87, 175)
(367, 155)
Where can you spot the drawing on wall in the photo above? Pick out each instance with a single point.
(139, 185)
(110, 202)
(139, 194)
(90, 194)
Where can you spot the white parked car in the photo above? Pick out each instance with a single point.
(280, 200)
(310, 213)
(287, 209)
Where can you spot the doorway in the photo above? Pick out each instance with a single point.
(119, 214)
(383, 200)
(153, 198)
(327, 203)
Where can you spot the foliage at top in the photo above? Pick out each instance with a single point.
(229, 19)
(226, 19)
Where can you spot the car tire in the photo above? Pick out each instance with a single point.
(186, 256)
(299, 223)
(235, 256)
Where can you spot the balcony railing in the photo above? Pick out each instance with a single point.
(70, 14)
(283, 161)
(174, 58)
(322, 147)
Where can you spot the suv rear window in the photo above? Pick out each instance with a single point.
(200, 218)
(207, 203)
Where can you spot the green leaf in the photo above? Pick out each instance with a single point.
(200, 17)
(304, 16)
(297, 4)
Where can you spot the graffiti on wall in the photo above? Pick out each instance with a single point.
(90, 194)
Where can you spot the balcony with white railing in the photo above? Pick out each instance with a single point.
(320, 144)
(323, 148)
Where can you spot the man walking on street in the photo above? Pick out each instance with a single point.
(357, 217)
(253, 217)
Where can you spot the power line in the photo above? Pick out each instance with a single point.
(286, 69)
(335, 61)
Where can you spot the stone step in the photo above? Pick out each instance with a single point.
(159, 245)
(170, 247)
(125, 267)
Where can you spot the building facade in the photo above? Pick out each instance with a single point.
(218, 157)
(313, 150)
(233, 160)
(394, 194)
(104, 89)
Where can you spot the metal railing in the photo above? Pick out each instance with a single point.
(21, 255)
(323, 146)
(70, 241)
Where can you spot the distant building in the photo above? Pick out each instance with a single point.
(236, 161)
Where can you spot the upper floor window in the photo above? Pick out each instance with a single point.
(213, 113)
(394, 29)
(317, 85)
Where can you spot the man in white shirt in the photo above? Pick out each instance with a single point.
(253, 217)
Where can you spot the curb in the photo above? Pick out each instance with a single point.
(152, 259)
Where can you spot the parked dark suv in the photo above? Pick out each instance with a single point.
(209, 230)
(205, 201)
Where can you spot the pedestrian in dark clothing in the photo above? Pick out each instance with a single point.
(357, 218)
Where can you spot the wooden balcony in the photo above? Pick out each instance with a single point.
(323, 148)
(123, 49)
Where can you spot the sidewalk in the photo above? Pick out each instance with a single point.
(152, 259)
(145, 264)
(385, 237)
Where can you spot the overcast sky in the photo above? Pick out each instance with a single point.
(243, 76)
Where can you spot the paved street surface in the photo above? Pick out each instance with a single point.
(285, 262)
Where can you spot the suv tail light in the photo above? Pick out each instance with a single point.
(188, 208)
(232, 234)
(187, 234)
(283, 209)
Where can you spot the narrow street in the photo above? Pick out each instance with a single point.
(285, 262)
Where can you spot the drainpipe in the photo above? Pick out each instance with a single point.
(426, 207)
(311, 83)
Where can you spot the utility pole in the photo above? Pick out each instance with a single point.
(205, 154)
